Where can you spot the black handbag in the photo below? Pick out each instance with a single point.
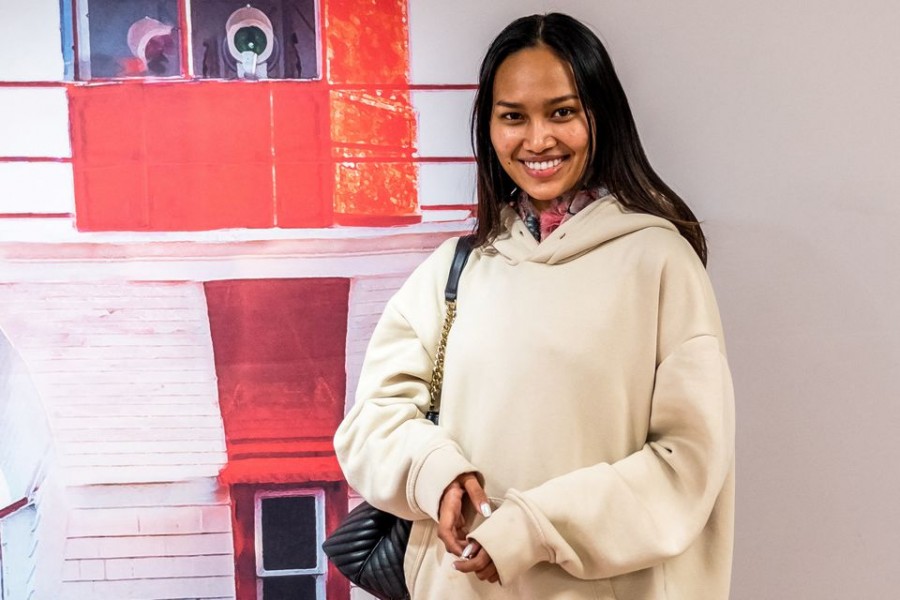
(369, 545)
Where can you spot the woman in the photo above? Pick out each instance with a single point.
(585, 448)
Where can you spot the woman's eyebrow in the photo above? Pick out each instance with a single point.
(549, 102)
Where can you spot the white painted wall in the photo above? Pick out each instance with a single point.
(36, 188)
(30, 32)
(779, 122)
(440, 113)
(33, 537)
(36, 122)
(19, 553)
(26, 440)
(367, 299)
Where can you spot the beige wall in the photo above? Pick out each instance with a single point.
(779, 122)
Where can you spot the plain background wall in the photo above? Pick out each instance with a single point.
(779, 122)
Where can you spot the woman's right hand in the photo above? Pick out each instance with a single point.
(451, 524)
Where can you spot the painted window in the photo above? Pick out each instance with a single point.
(128, 38)
(290, 529)
(274, 39)
(215, 39)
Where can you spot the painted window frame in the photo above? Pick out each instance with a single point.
(76, 29)
(320, 571)
(82, 44)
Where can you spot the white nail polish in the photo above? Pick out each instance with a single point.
(485, 509)
(467, 552)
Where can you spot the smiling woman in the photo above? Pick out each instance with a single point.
(586, 438)
(556, 50)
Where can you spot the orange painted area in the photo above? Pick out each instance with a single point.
(368, 45)
(300, 121)
(301, 141)
(367, 41)
(369, 124)
(379, 126)
(205, 122)
(201, 155)
(111, 197)
(304, 193)
(106, 127)
(369, 191)
(213, 195)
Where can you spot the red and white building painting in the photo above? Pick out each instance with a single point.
(202, 214)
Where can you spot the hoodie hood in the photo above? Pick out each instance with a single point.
(602, 221)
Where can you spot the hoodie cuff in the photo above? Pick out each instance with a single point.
(512, 539)
(439, 468)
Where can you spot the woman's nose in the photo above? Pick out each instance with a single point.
(538, 137)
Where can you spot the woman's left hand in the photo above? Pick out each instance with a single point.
(480, 563)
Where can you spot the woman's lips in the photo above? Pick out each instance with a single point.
(542, 169)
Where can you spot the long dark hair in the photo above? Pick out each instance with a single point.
(618, 160)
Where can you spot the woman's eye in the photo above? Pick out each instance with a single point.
(564, 112)
(511, 116)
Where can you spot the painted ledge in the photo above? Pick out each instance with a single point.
(223, 254)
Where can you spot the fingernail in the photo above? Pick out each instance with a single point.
(485, 509)
(467, 552)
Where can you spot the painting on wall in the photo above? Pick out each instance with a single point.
(200, 223)
(289, 149)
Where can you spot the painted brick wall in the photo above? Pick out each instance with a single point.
(125, 373)
(368, 296)
(155, 540)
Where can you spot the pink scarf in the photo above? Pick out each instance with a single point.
(543, 223)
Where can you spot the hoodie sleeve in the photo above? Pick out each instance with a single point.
(614, 518)
(389, 452)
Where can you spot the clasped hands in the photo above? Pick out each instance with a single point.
(452, 527)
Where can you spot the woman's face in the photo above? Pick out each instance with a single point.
(539, 128)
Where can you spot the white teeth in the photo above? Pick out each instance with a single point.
(544, 165)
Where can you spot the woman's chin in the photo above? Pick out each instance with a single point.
(544, 193)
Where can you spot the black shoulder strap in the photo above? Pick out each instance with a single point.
(463, 249)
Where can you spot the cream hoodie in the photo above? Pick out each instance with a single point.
(586, 381)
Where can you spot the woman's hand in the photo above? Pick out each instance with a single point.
(451, 523)
(480, 563)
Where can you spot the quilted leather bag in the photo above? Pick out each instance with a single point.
(369, 545)
(368, 548)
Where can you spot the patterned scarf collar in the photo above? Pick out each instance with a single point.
(541, 224)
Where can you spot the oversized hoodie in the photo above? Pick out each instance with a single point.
(586, 381)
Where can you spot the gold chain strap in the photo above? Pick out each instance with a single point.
(437, 374)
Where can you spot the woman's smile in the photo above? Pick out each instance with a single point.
(543, 168)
